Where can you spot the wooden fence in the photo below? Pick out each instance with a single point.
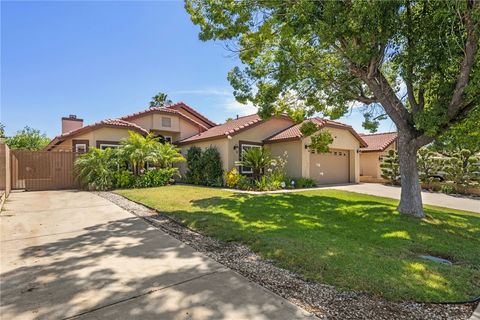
(42, 170)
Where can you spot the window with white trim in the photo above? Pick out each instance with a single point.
(81, 147)
(245, 147)
(104, 146)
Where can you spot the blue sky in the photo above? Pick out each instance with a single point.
(106, 59)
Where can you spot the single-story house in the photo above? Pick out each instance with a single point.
(182, 125)
(172, 123)
(282, 135)
(378, 145)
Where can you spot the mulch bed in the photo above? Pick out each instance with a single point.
(325, 301)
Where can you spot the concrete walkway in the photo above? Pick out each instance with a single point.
(431, 198)
(73, 254)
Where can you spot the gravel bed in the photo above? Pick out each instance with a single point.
(325, 301)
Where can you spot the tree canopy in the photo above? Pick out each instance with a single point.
(413, 61)
(28, 139)
(160, 100)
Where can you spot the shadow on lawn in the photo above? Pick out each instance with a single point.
(355, 244)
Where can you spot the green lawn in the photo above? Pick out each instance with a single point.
(349, 240)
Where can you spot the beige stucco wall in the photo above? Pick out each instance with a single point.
(370, 162)
(294, 156)
(257, 134)
(153, 121)
(105, 134)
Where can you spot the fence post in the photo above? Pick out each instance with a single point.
(5, 182)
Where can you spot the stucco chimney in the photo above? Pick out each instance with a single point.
(71, 123)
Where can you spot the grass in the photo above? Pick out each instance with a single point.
(349, 240)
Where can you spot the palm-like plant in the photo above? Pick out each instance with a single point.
(257, 159)
(138, 150)
(96, 168)
(165, 155)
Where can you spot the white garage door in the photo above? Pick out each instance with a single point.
(330, 168)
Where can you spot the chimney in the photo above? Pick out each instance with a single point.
(71, 123)
(237, 116)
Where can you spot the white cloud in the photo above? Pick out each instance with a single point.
(233, 106)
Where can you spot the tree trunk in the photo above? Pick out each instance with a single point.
(411, 197)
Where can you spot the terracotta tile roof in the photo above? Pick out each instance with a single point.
(169, 110)
(378, 141)
(104, 123)
(294, 133)
(181, 105)
(223, 130)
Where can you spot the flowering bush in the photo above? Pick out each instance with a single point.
(232, 178)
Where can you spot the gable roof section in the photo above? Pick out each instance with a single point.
(109, 123)
(226, 129)
(188, 111)
(378, 141)
(165, 110)
(294, 133)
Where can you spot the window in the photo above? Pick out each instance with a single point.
(166, 122)
(245, 147)
(104, 146)
(81, 147)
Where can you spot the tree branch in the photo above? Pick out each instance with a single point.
(470, 49)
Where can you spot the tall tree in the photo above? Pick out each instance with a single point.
(160, 100)
(28, 139)
(415, 61)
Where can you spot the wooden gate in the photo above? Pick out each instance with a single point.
(42, 170)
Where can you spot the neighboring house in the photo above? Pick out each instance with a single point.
(172, 123)
(371, 156)
(280, 134)
(185, 127)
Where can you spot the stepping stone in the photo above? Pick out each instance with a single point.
(436, 259)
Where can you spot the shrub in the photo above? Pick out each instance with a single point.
(390, 167)
(232, 178)
(447, 188)
(463, 170)
(123, 179)
(428, 166)
(245, 183)
(156, 178)
(95, 169)
(212, 167)
(305, 183)
(194, 165)
(267, 183)
(256, 158)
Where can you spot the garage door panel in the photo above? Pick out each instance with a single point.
(330, 168)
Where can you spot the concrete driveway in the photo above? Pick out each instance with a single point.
(431, 198)
(73, 254)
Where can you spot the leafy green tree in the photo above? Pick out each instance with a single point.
(464, 135)
(415, 61)
(2, 131)
(390, 168)
(160, 100)
(256, 158)
(28, 139)
(96, 169)
(463, 169)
